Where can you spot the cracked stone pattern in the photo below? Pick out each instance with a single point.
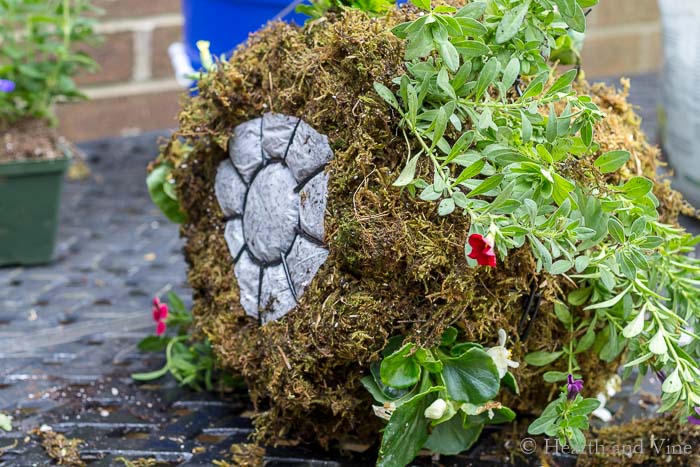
(245, 148)
(308, 152)
(313, 206)
(277, 132)
(230, 190)
(271, 214)
(234, 236)
(276, 235)
(305, 259)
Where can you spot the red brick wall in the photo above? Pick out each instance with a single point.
(136, 91)
(624, 38)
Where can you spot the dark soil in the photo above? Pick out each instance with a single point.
(30, 139)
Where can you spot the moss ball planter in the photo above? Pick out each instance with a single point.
(305, 260)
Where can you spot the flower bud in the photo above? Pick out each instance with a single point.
(436, 410)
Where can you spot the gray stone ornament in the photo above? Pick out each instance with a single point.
(273, 191)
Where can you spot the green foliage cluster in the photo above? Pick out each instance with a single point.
(567, 420)
(38, 41)
(191, 362)
(318, 8)
(161, 188)
(460, 376)
(511, 159)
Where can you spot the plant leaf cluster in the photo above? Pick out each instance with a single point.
(409, 379)
(319, 8)
(40, 52)
(503, 135)
(191, 362)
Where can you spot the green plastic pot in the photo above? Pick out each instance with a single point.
(30, 193)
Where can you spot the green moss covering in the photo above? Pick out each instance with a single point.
(395, 266)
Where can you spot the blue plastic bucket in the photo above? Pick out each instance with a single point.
(227, 23)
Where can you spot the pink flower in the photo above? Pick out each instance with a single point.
(482, 250)
(160, 314)
(695, 420)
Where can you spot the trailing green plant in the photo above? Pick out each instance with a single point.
(318, 8)
(39, 54)
(566, 418)
(504, 136)
(439, 399)
(161, 187)
(191, 362)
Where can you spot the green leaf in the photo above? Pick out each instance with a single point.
(562, 189)
(407, 431)
(373, 388)
(155, 182)
(554, 376)
(510, 74)
(486, 186)
(542, 358)
(408, 173)
(5, 422)
(400, 370)
(551, 132)
(386, 94)
(471, 171)
(616, 230)
(449, 54)
(452, 437)
(562, 82)
(560, 267)
(471, 27)
(526, 130)
(473, 10)
(471, 377)
(446, 207)
(511, 22)
(542, 424)
(422, 4)
(153, 344)
(509, 381)
(471, 49)
(443, 82)
(562, 312)
(637, 187)
(486, 77)
(585, 407)
(152, 375)
(612, 161)
(586, 341)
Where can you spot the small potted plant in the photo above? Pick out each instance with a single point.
(38, 60)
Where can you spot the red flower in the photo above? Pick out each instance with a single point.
(160, 314)
(482, 250)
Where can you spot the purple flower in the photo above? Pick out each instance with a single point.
(695, 420)
(6, 85)
(573, 387)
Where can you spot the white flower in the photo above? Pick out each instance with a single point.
(501, 356)
(436, 410)
(384, 411)
(601, 412)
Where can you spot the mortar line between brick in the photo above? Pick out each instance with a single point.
(624, 30)
(133, 88)
(152, 22)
